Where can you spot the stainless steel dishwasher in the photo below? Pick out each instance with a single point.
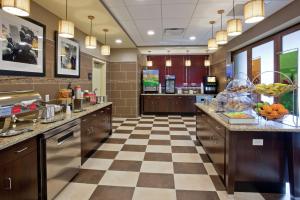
(61, 157)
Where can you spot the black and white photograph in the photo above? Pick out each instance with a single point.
(22, 46)
(67, 58)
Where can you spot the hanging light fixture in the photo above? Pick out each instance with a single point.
(169, 60)
(65, 27)
(234, 26)
(212, 43)
(254, 11)
(105, 49)
(221, 35)
(16, 7)
(188, 61)
(91, 41)
(207, 62)
(149, 62)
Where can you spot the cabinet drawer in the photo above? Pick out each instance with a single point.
(220, 129)
(18, 150)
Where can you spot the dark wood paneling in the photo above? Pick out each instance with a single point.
(95, 128)
(195, 73)
(238, 161)
(164, 104)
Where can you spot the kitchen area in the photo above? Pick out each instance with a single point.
(154, 99)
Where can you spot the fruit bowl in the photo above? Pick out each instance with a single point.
(271, 112)
(274, 89)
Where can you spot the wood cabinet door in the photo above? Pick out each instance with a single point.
(19, 176)
(179, 104)
(161, 104)
(86, 137)
(6, 177)
(189, 104)
(25, 177)
(148, 104)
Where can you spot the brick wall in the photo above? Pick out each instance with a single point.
(49, 84)
(123, 88)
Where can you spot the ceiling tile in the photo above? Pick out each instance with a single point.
(112, 3)
(120, 12)
(175, 23)
(179, 1)
(142, 2)
(145, 11)
(178, 10)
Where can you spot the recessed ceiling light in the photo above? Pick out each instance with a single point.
(150, 32)
(193, 38)
(118, 41)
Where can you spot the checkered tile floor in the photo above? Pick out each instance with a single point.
(151, 158)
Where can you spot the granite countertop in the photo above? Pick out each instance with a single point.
(164, 94)
(269, 126)
(40, 128)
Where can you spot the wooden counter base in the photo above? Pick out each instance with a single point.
(168, 104)
(245, 160)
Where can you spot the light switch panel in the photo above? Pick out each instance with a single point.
(258, 142)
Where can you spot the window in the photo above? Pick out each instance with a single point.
(263, 61)
(291, 44)
(240, 65)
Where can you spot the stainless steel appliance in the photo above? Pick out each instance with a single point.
(60, 158)
(210, 85)
(170, 84)
(18, 106)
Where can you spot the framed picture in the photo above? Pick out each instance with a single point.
(67, 58)
(22, 43)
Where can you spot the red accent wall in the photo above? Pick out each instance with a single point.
(195, 73)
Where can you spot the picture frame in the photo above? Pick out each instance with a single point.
(67, 56)
(23, 44)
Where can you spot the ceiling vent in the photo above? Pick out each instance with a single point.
(173, 32)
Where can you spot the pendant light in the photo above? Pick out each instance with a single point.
(65, 27)
(149, 62)
(105, 49)
(169, 60)
(212, 43)
(221, 35)
(91, 41)
(254, 11)
(234, 26)
(188, 61)
(207, 62)
(16, 7)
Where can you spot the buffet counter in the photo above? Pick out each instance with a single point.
(170, 103)
(39, 128)
(250, 156)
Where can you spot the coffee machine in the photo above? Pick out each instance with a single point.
(170, 84)
(210, 85)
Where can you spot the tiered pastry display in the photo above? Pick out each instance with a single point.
(236, 97)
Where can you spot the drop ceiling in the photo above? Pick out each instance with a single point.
(78, 12)
(139, 16)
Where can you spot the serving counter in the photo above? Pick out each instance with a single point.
(250, 156)
(169, 103)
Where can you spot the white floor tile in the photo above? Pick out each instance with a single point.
(193, 182)
(154, 193)
(77, 191)
(128, 155)
(137, 141)
(120, 136)
(182, 143)
(111, 147)
(186, 157)
(97, 164)
(120, 178)
(158, 149)
(160, 137)
(157, 167)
